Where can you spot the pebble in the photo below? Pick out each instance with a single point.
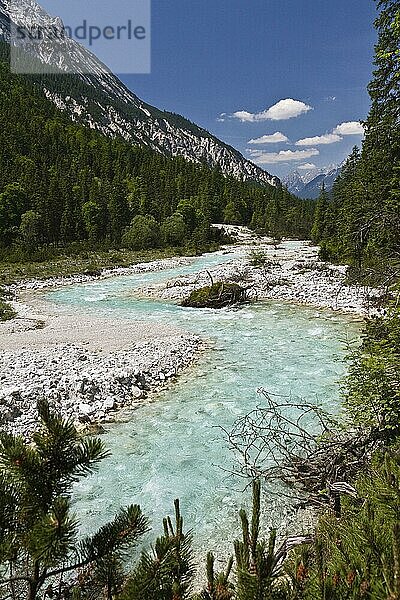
(293, 273)
(85, 385)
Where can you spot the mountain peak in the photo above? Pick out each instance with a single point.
(308, 184)
(97, 98)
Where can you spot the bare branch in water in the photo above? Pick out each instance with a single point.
(287, 441)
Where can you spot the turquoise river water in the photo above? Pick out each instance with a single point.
(172, 447)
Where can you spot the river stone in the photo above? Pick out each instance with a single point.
(136, 392)
(86, 409)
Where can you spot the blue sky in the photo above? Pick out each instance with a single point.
(223, 56)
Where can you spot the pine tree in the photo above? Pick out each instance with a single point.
(254, 558)
(38, 534)
(167, 572)
(218, 585)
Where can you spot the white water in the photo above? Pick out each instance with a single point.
(172, 447)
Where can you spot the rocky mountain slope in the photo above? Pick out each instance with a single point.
(98, 99)
(308, 184)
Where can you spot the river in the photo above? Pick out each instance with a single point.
(172, 447)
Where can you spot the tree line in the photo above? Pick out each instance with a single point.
(63, 184)
(360, 223)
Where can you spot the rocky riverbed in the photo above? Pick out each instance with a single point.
(89, 386)
(290, 271)
(91, 368)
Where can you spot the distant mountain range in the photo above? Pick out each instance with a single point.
(101, 101)
(308, 184)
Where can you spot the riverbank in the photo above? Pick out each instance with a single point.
(89, 385)
(89, 368)
(290, 272)
(92, 367)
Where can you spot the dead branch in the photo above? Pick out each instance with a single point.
(298, 444)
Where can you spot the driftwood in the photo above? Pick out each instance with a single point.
(289, 442)
(217, 295)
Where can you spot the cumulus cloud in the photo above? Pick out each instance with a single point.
(281, 111)
(274, 138)
(328, 138)
(269, 158)
(306, 167)
(349, 128)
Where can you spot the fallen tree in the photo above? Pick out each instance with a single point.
(286, 441)
(216, 295)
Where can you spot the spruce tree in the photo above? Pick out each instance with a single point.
(321, 216)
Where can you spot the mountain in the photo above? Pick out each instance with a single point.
(97, 98)
(294, 183)
(308, 184)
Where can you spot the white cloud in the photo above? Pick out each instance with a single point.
(328, 138)
(245, 116)
(269, 158)
(221, 118)
(349, 128)
(281, 111)
(274, 138)
(287, 109)
(307, 167)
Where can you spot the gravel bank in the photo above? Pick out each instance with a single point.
(88, 386)
(87, 367)
(291, 272)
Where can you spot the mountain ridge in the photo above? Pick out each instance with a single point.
(309, 184)
(101, 101)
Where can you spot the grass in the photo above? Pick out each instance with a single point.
(85, 262)
(6, 311)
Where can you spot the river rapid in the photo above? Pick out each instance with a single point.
(172, 447)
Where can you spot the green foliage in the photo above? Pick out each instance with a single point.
(217, 295)
(30, 229)
(218, 585)
(6, 310)
(254, 558)
(62, 183)
(38, 534)
(357, 555)
(258, 258)
(13, 203)
(166, 573)
(321, 218)
(372, 396)
(143, 233)
(174, 230)
(364, 212)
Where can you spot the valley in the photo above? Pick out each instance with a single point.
(199, 360)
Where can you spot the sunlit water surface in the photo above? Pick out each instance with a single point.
(173, 447)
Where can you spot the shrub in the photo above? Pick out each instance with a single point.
(217, 295)
(6, 311)
(143, 233)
